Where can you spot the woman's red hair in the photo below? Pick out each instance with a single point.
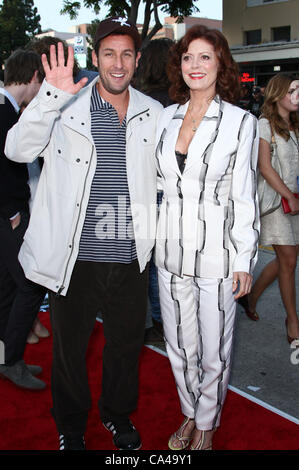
(227, 85)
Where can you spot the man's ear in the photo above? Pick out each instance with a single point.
(138, 55)
(35, 78)
(94, 59)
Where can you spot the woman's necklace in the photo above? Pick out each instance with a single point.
(200, 114)
(193, 120)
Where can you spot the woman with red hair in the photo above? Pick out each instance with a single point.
(208, 225)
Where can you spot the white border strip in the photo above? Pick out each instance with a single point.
(264, 404)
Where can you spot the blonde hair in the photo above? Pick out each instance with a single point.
(275, 91)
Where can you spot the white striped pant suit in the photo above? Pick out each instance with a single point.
(208, 228)
(198, 318)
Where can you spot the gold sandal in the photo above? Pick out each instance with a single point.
(199, 445)
(178, 435)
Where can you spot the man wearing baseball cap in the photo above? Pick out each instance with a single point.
(92, 226)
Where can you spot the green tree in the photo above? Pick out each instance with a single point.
(130, 9)
(19, 22)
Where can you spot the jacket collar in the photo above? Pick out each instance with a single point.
(211, 113)
(203, 137)
(10, 98)
(77, 113)
(137, 104)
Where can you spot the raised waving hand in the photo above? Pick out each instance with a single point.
(59, 74)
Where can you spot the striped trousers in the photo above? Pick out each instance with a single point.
(198, 319)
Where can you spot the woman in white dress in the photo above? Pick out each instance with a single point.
(208, 225)
(280, 113)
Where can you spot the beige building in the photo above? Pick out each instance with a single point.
(173, 30)
(69, 37)
(263, 36)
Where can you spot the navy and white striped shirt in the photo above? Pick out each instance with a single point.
(107, 234)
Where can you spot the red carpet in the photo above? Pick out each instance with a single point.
(26, 422)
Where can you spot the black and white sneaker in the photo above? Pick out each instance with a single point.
(71, 443)
(125, 435)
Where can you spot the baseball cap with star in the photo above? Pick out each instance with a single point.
(117, 24)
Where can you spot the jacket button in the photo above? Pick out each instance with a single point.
(78, 160)
(59, 151)
(140, 119)
(144, 140)
(48, 93)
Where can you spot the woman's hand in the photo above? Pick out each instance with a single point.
(242, 282)
(294, 205)
(60, 75)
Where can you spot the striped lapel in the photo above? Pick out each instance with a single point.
(202, 143)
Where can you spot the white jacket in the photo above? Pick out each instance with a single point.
(209, 221)
(57, 126)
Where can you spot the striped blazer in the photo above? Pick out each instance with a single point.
(209, 222)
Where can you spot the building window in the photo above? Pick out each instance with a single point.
(253, 37)
(283, 33)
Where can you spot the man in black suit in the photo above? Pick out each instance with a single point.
(20, 298)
